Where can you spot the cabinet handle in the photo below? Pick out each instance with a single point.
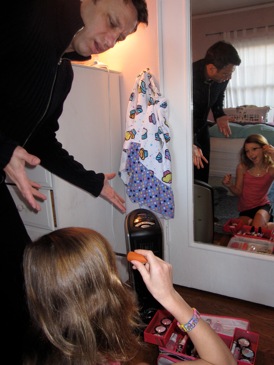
(20, 207)
(53, 208)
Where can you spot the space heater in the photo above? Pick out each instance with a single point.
(143, 231)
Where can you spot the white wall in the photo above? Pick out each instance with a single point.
(256, 16)
(138, 52)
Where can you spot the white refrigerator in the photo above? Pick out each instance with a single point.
(91, 130)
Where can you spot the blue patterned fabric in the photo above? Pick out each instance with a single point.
(146, 162)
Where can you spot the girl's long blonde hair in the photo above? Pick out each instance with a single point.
(77, 300)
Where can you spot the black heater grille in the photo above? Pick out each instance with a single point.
(143, 231)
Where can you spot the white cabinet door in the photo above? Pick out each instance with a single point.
(43, 219)
(42, 222)
(39, 175)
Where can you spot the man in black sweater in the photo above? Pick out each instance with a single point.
(38, 40)
(210, 78)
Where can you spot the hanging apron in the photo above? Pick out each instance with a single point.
(146, 162)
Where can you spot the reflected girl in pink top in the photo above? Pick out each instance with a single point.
(254, 177)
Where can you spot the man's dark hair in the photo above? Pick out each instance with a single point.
(221, 54)
(141, 7)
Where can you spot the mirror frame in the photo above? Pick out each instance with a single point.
(208, 267)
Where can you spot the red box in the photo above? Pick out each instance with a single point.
(183, 348)
(252, 337)
(151, 336)
(263, 234)
(178, 345)
(175, 343)
(233, 225)
(251, 244)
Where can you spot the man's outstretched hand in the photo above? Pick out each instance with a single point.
(16, 171)
(109, 194)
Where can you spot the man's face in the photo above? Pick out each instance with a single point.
(220, 75)
(105, 23)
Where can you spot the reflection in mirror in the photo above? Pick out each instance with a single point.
(249, 26)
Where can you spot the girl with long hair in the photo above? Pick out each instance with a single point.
(85, 315)
(254, 176)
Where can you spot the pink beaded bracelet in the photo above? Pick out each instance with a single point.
(187, 327)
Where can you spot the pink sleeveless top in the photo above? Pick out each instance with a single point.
(255, 189)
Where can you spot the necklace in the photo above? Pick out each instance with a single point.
(259, 172)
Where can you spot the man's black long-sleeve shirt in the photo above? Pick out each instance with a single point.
(207, 94)
(36, 78)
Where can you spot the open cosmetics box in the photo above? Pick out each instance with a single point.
(175, 345)
(248, 238)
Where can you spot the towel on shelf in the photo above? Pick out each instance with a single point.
(146, 162)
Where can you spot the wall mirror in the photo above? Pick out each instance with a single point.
(166, 47)
(212, 21)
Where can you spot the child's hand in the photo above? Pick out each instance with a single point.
(269, 150)
(227, 180)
